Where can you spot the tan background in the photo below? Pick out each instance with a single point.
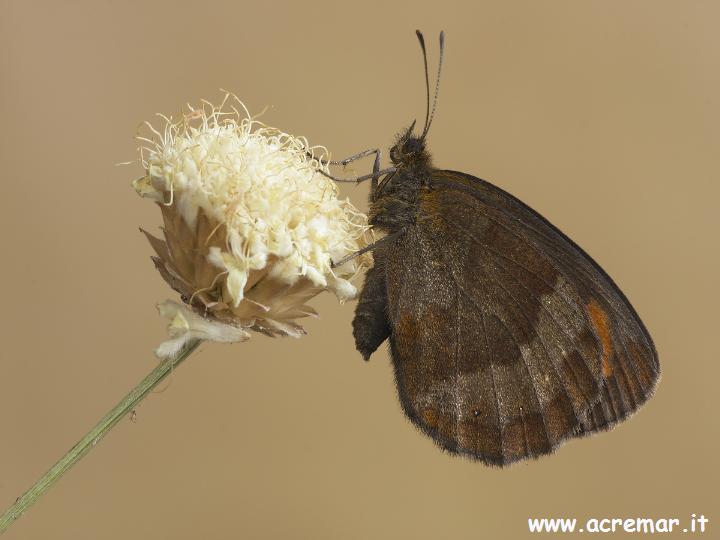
(604, 116)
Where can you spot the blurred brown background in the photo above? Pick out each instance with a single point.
(604, 116)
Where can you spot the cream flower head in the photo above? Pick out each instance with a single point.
(251, 226)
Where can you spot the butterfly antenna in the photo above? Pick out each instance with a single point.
(437, 85)
(421, 39)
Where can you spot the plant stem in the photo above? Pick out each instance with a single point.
(135, 396)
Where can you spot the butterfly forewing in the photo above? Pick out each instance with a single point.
(506, 337)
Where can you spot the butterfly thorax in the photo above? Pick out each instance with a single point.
(394, 202)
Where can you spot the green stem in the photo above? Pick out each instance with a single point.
(127, 404)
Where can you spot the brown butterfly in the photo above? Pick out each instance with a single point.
(506, 337)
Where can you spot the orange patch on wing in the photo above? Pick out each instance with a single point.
(599, 319)
(407, 325)
(406, 333)
(430, 416)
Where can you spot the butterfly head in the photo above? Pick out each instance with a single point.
(409, 149)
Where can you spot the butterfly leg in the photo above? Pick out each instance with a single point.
(376, 164)
(374, 175)
(370, 325)
(376, 168)
(377, 173)
(367, 248)
(350, 159)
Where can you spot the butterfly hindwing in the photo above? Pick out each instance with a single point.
(506, 337)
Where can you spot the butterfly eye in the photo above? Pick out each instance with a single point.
(411, 146)
(396, 153)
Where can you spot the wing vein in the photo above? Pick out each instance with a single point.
(608, 296)
(589, 401)
(460, 288)
(494, 384)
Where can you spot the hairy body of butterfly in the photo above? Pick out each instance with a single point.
(506, 337)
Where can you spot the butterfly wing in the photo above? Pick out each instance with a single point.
(506, 337)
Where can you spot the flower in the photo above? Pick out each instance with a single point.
(251, 226)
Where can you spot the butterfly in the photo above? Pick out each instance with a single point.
(506, 338)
